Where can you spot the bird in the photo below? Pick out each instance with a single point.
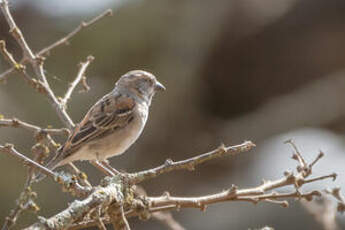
(112, 124)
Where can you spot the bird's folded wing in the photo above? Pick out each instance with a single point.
(107, 115)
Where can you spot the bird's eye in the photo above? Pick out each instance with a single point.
(147, 80)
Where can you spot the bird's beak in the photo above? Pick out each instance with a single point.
(159, 86)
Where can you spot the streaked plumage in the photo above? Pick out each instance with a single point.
(113, 124)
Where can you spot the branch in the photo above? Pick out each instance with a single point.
(27, 196)
(83, 25)
(8, 56)
(69, 184)
(15, 31)
(9, 149)
(37, 64)
(63, 40)
(103, 196)
(15, 123)
(80, 76)
(254, 195)
(190, 163)
(202, 202)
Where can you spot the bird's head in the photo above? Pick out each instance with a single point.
(140, 83)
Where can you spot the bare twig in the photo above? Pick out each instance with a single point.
(69, 184)
(114, 198)
(15, 123)
(9, 149)
(83, 25)
(27, 196)
(298, 157)
(253, 195)
(80, 76)
(63, 40)
(24, 202)
(202, 202)
(15, 31)
(190, 163)
(6, 73)
(37, 64)
(86, 87)
(16, 66)
(8, 56)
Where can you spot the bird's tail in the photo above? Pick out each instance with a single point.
(52, 164)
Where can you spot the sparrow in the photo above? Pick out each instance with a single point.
(112, 124)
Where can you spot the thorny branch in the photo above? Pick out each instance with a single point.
(64, 40)
(144, 205)
(190, 163)
(113, 201)
(69, 184)
(83, 25)
(37, 63)
(102, 196)
(27, 196)
(42, 135)
(15, 123)
(80, 76)
(9, 149)
(64, 219)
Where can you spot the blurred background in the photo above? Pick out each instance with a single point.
(235, 70)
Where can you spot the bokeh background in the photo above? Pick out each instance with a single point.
(235, 70)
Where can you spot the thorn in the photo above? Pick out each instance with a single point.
(222, 148)
(90, 58)
(334, 176)
(249, 145)
(109, 12)
(168, 162)
(9, 146)
(232, 189)
(287, 173)
(166, 194)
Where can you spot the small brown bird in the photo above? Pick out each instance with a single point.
(113, 124)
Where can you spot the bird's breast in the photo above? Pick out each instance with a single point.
(120, 139)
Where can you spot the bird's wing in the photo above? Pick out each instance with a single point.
(108, 114)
